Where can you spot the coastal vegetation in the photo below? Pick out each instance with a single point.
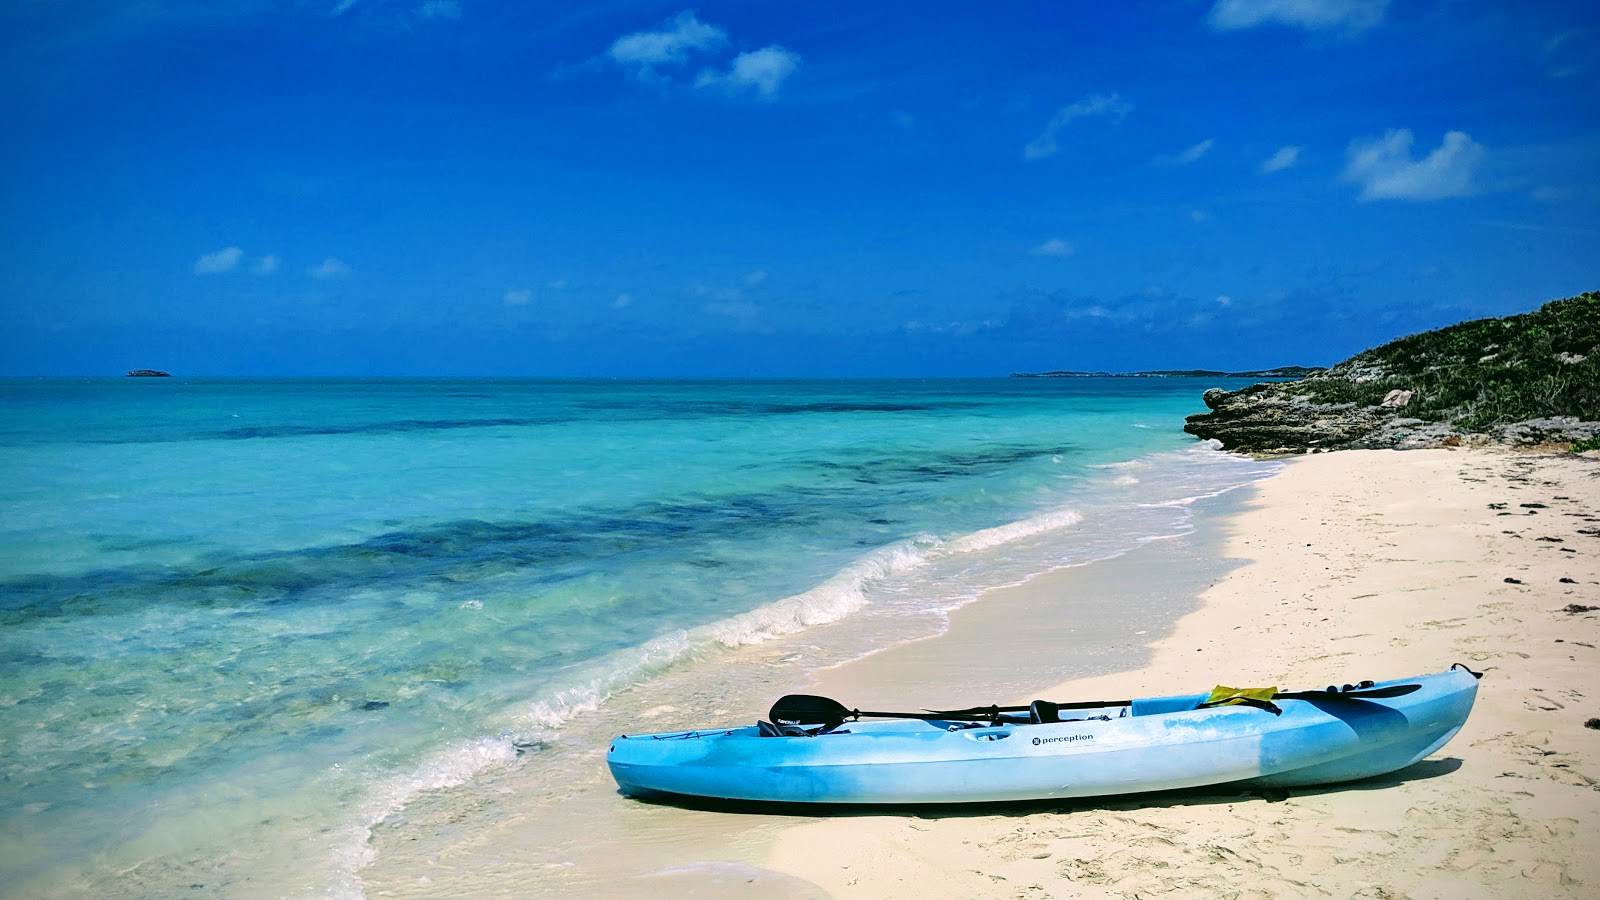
(1279, 372)
(1527, 378)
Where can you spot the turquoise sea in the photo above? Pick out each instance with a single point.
(245, 620)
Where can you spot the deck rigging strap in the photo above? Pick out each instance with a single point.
(1260, 698)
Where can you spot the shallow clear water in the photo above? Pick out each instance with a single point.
(244, 611)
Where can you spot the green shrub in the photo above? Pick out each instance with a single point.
(1483, 372)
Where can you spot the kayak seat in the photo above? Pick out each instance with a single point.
(1043, 712)
(783, 729)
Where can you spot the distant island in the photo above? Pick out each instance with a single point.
(148, 373)
(1280, 372)
(1527, 379)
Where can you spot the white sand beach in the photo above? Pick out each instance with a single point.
(1360, 565)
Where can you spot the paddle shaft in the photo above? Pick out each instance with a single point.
(1395, 690)
(812, 709)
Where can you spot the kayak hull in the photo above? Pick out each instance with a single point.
(1160, 743)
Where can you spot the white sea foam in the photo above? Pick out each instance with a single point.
(447, 768)
(990, 538)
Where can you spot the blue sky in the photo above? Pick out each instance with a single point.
(786, 189)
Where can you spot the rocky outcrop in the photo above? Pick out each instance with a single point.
(148, 373)
(1529, 379)
(1268, 423)
(1262, 419)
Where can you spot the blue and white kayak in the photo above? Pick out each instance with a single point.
(1119, 747)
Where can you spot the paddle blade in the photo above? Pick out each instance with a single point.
(1393, 690)
(808, 709)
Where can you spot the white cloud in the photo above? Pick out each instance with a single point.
(1108, 105)
(266, 265)
(1566, 54)
(623, 300)
(1385, 170)
(1192, 154)
(518, 296)
(754, 279)
(559, 284)
(329, 268)
(761, 71)
(1546, 194)
(1199, 216)
(701, 289)
(343, 7)
(438, 9)
(1224, 300)
(642, 52)
(746, 316)
(1054, 247)
(223, 260)
(1283, 159)
(1348, 16)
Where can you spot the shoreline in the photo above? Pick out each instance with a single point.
(1361, 564)
(555, 825)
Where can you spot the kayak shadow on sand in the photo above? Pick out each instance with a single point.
(1208, 795)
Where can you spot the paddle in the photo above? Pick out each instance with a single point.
(1331, 693)
(810, 709)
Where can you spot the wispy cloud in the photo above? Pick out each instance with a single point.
(1384, 169)
(1055, 247)
(1567, 55)
(622, 301)
(438, 9)
(1347, 16)
(1110, 106)
(643, 53)
(760, 72)
(224, 260)
(1189, 155)
(746, 316)
(724, 294)
(329, 268)
(1283, 159)
(266, 265)
(518, 297)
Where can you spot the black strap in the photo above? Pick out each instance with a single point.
(1267, 705)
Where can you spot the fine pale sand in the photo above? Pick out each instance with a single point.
(1371, 564)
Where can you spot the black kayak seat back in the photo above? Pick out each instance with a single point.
(1043, 712)
(785, 729)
